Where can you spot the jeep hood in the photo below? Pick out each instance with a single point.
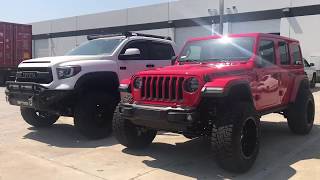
(49, 61)
(198, 69)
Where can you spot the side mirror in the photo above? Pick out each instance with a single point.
(131, 53)
(173, 60)
(312, 64)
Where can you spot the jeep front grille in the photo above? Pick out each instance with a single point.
(41, 75)
(162, 88)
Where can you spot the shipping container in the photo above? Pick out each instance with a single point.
(15, 46)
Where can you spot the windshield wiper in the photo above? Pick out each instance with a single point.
(190, 60)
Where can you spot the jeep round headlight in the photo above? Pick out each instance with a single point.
(191, 85)
(137, 84)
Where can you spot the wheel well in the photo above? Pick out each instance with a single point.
(99, 81)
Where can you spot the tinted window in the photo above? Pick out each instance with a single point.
(161, 51)
(142, 46)
(284, 53)
(195, 52)
(96, 47)
(296, 54)
(222, 49)
(266, 52)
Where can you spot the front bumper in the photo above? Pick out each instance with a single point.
(35, 96)
(162, 118)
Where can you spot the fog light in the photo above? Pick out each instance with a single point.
(189, 118)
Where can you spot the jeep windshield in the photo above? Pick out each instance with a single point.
(96, 47)
(218, 50)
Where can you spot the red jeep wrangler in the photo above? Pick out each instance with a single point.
(219, 87)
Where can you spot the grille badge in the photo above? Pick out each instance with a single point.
(27, 75)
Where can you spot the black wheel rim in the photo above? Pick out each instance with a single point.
(249, 138)
(41, 114)
(101, 114)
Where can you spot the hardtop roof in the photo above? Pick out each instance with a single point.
(255, 35)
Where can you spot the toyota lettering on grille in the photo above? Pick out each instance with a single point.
(27, 75)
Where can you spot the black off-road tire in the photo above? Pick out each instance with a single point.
(129, 134)
(236, 138)
(302, 112)
(38, 118)
(313, 81)
(2, 80)
(93, 115)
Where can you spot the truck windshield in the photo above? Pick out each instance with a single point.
(96, 47)
(222, 49)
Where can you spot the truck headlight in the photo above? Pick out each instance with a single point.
(137, 84)
(65, 72)
(191, 85)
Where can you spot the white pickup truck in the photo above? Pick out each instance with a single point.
(84, 83)
(315, 59)
(311, 72)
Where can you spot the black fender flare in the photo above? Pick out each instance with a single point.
(304, 83)
(241, 86)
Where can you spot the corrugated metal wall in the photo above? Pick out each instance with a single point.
(175, 10)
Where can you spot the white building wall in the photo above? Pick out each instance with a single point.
(183, 34)
(41, 48)
(102, 20)
(148, 14)
(62, 25)
(296, 3)
(306, 30)
(257, 5)
(175, 10)
(41, 27)
(267, 26)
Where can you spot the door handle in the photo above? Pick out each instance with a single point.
(150, 65)
(123, 68)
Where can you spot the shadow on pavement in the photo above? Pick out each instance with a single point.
(66, 136)
(279, 149)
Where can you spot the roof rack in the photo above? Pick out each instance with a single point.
(126, 34)
(98, 36)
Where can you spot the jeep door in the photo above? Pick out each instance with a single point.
(268, 76)
(283, 54)
(291, 72)
(153, 54)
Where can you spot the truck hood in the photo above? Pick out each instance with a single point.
(198, 69)
(49, 61)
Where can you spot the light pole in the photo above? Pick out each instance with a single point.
(213, 13)
(221, 12)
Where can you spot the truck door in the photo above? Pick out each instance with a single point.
(268, 76)
(152, 55)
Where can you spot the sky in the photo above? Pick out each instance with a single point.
(27, 11)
